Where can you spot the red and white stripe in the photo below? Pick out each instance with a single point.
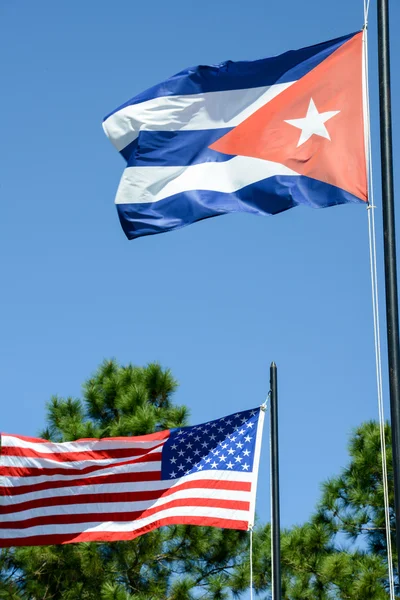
(110, 489)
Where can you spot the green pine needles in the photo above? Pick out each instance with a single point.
(117, 401)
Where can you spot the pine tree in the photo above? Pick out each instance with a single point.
(340, 554)
(353, 503)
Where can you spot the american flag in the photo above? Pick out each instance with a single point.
(119, 488)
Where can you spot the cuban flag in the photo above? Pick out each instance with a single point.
(258, 137)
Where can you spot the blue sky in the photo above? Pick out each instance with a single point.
(217, 301)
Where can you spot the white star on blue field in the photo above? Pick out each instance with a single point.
(226, 444)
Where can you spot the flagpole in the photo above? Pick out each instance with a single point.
(275, 509)
(389, 242)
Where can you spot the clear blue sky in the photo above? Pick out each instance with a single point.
(217, 301)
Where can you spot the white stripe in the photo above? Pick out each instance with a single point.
(150, 184)
(10, 441)
(211, 110)
(128, 506)
(47, 463)
(8, 482)
(111, 526)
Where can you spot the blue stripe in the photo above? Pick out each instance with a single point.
(229, 75)
(175, 148)
(267, 197)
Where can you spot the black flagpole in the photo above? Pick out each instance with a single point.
(275, 511)
(389, 241)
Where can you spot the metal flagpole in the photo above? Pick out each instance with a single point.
(389, 241)
(275, 510)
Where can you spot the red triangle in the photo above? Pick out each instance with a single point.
(334, 85)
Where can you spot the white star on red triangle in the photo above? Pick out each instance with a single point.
(313, 123)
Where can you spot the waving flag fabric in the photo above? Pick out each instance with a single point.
(119, 488)
(259, 137)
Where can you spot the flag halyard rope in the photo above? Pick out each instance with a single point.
(251, 563)
(366, 11)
